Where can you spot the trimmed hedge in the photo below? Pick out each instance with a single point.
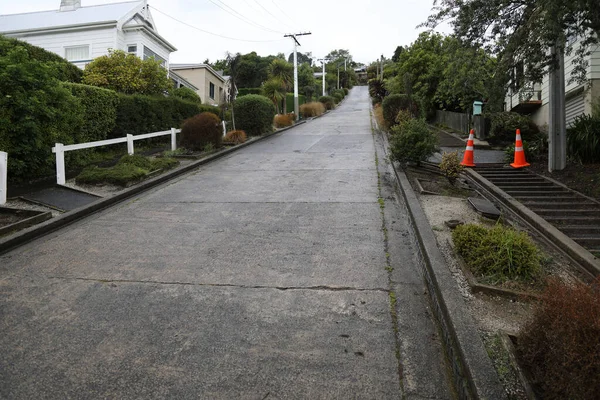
(200, 130)
(64, 70)
(290, 101)
(139, 114)
(392, 105)
(505, 124)
(99, 111)
(328, 102)
(254, 114)
(247, 91)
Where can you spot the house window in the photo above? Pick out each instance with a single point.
(150, 54)
(212, 91)
(77, 53)
(132, 49)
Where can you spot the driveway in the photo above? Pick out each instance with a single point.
(268, 274)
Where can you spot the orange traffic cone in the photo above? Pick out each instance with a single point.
(519, 153)
(468, 157)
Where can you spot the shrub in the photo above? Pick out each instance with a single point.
(138, 114)
(289, 99)
(185, 93)
(450, 166)
(392, 105)
(403, 116)
(504, 126)
(201, 130)
(36, 111)
(498, 254)
(312, 109)
(130, 168)
(63, 70)
(560, 344)
(377, 90)
(283, 120)
(99, 111)
(328, 102)
(583, 139)
(254, 114)
(337, 97)
(346, 91)
(247, 91)
(412, 141)
(236, 137)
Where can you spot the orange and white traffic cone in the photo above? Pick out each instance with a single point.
(519, 153)
(468, 157)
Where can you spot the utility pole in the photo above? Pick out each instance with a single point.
(557, 137)
(382, 67)
(296, 44)
(323, 60)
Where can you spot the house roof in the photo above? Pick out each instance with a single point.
(176, 67)
(89, 15)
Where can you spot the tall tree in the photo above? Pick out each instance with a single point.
(283, 71)
(302, 58)
(397, 53)
(274, 90)
(524, 30)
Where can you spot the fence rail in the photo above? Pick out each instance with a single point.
(3, 176)
(59, 149)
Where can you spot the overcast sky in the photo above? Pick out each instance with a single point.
(367, 29)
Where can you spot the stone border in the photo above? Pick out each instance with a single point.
(26, 235)
(587, 261)
(472, 370)
(512, 356)
(35, 217)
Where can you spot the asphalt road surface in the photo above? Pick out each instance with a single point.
(268, 274)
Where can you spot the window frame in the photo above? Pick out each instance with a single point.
(211, 90)
(89, 49)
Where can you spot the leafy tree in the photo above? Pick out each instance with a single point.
(524, 30)
(185, 94)
(302, 58)
(282, 71)
(127, 74)
(397, 52)
(306, 80)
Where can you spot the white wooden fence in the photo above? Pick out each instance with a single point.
(59, 149)
(3, 176)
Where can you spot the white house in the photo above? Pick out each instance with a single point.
(535, 100)
(81, 34)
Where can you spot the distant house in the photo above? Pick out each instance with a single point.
(211, 84)
(81, 34)
(534, 99)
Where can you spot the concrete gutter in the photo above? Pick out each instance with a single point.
(584, 258)
(472, 370)
(34, 232)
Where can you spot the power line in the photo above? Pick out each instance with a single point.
(283, 12)
(241, 17)
(271, 14)
(211, 33)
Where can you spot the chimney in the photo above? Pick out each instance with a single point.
(69, 5)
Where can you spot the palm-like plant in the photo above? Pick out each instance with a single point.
(275, 91)
(284, 72)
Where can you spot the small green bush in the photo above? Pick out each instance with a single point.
(185, 93)
(201, 130)
(403, 116)
(337, 97)
(346, 91)
(129, 169)
(377, 90)
(450, 166)
(328, 102)
(392, 105)
(583, 139)
(412, 141)
(499, 254)
(559, 344)
(254, 114)
(504, 126)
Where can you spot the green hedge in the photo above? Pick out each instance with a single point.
(290, 101)
(254, 114)
(391, 106)
(139, 114)
(247, 91)
(99, 111)
(64, 70)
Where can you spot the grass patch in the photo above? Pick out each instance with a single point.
(130, 168)
(499, 254)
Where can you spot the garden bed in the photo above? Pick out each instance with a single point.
(14, 219)
(584, 178)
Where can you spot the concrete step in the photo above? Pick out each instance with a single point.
(532, 188)
(588, 242)
(535, 184)
(532, 179)
(493, 175)
(548, 204)
(573, 212)
(571, 220)
(565, 197)
(580, 230)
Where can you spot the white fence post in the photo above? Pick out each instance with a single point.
(224, 129)
(60, 164)
(173, 139)
(129, 144)
(3, 176)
